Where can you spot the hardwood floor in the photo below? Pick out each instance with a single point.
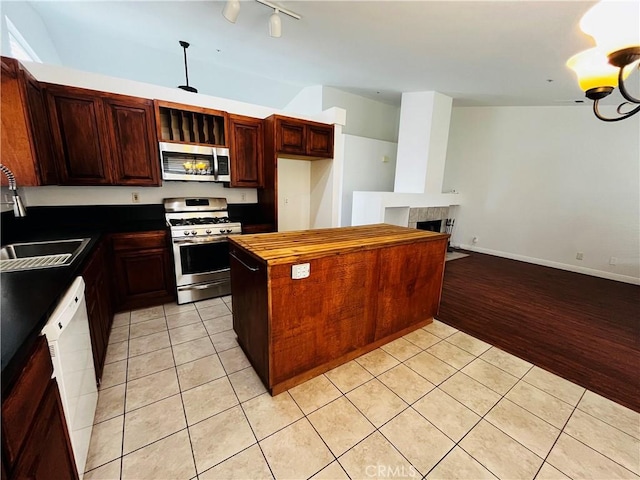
(583, 328)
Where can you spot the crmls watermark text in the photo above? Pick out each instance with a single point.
(391, 471)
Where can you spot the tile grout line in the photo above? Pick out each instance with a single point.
(586, 445)
(482, 417)
(558, 437)
(184, 409)
(409, 405)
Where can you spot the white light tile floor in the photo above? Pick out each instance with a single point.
(179, 400)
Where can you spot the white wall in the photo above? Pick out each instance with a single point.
(364, 169)
(365, 117)
(294, 194)
(31, 27)
(113, 195)
(308, 100)
(422, 142)
(543, 183)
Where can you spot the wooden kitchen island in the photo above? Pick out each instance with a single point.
(366, 286)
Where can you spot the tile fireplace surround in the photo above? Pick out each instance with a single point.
(427, 214)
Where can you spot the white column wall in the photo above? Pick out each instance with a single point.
(422, 142)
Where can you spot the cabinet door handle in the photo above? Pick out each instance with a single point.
(253, 269)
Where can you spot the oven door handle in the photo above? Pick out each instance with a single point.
(253, 269)
(200, 287)
(194, 241)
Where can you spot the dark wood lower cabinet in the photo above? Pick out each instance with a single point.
(99, 309)
(35, 440)
(143, 270)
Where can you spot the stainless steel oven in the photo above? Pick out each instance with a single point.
(199, 230)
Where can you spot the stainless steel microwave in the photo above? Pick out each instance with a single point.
(196, 163)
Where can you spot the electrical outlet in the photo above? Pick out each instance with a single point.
(613, 261)
(243, 197)
(286, 201)
(579, 256)
(299, 271)
(135, 197)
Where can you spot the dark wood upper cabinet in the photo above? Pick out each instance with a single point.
(320, 141)
(80, 136)
(179, 123)
(103, 139)
(41, 132)
(290, 136)
(26, 139)
(132, 135)
(303, 138)
(246, 145)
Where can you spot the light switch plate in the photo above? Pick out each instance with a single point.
(299, 271)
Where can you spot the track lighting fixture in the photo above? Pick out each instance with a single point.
(232, 10)
(275, 25)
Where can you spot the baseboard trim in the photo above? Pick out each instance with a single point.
(548, 263)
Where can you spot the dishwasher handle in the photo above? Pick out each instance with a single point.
(66, 309)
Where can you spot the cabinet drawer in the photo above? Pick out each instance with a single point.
(21, 405)
(139, 240)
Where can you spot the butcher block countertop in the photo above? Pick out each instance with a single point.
(290, 247)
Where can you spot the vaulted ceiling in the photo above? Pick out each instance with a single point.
(478, 52)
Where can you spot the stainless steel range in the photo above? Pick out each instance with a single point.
(199, 230)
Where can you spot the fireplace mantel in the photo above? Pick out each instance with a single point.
(395, 208)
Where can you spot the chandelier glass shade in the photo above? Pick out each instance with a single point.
(615, 27)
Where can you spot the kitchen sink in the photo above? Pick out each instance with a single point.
(34, 255)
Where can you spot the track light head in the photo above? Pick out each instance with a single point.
(231, 10)
(275, 25)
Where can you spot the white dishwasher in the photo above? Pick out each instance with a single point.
(67, 332)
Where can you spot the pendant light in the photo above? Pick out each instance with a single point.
(186, 87)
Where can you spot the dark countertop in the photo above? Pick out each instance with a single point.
(28, 298)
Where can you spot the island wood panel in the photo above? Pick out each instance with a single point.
(315, 319)
(410, 290)
(249, 284)
(286, 247)
(308, 326)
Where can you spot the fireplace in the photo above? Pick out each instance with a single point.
(430, 225)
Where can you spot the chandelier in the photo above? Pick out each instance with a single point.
(615, 27)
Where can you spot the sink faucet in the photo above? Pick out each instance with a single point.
(19, 209)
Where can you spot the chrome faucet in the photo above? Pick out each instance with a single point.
(19, 209)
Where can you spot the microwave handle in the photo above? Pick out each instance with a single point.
(215, 164)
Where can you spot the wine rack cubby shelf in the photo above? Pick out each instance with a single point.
(177, 124)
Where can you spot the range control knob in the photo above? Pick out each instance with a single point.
(186, 232)
(228, 230)
(222, 230)
(208, 232)
(193, 232)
